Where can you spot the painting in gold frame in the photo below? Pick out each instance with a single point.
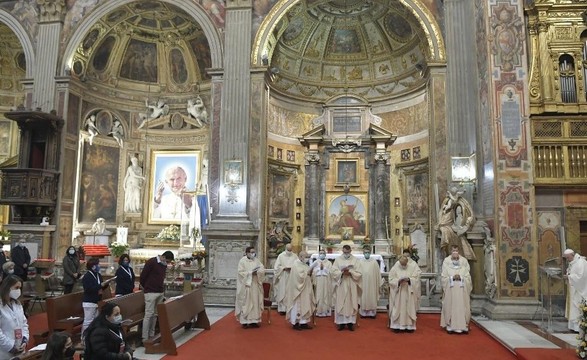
(163, 164)
(346, 211)
(347, 172)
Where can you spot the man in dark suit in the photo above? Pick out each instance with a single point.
(2, 254)
(22, 259)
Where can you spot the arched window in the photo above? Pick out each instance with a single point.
(566, 68)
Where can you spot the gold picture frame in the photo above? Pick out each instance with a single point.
(347, 172)
(346, 211)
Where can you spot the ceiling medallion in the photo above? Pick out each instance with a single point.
(346, 144)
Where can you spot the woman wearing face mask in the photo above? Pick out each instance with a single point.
(70, 270)
(104, 338)
(59, 347)
(14, 329)
(125, 276)
(93, 286)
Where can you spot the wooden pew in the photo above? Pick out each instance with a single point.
(60, 311)
(132, 308)
(174, 314)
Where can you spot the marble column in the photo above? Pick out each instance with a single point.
(51, 14)
(461, 89)
(313, 196)
(381, 185)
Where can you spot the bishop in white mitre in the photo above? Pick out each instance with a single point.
(282, 268)
(371, 285)
(322, 281)
(299, 294)
(403, 298)
(457, 286)
(249, 289)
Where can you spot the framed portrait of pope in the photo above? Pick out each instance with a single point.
(173, 180)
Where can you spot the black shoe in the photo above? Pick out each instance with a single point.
(254, 325)
(351, 327)
(395, 331)
(282, 313)
(373, 317)
(340, 327)
(305, 327)
(245, 326)
(297, 327)
(410, 330)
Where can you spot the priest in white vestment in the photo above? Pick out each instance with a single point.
(282, 268)
(347, 289)
(249, 289)
(577, 276)
(371, 285)
(417, 287)
(403, 299)
(457, 286)
(299, 294)
(321, 270)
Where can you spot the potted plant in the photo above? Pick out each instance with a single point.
(328, 244)
(5, 234)
(117, 249)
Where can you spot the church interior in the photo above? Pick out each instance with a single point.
(204, 127)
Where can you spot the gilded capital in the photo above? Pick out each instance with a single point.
(542, 26)
(51, 10)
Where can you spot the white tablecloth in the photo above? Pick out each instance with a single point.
(377, 257)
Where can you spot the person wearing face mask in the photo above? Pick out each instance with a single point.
(299, 294)
(59, 347)
(371, 284)
(403, 299)
(70, 270)
(7, 269)
(152, 282)
(347, 276)
(104, 339)
(456, 285)
(321, 270)
(125, 276)
(249, 290)
(14, 328)
(282, 269)
(22, 259)
(93, 287)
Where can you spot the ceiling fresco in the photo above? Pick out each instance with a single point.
(144, 43)
(373, 49)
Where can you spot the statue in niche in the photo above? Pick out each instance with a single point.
(133, 184)
(91, 128)
(153, 112)
(278, 237)
(454, 220)
(197, 111)
(489, 249)
(117, 132)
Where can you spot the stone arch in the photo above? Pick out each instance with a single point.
(191, 8)
(429, 25)
(27, 45)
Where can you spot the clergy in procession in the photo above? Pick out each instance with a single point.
(417, 287)
(249, 289)
(403, 299)
(322, 281)
(347, 289)
(282, 268)
(456, 286)
(371, 284)
(299, 294)
(577, 277)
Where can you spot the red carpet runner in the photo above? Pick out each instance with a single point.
(227, 340)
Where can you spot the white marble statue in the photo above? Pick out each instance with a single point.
(99, 226)
(153, 112)
(133, 184)
(91, 128)
(45, 221)
(197, 111)
(117, 132)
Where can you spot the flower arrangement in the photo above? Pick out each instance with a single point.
(170, 233)
(199, 254)
(582, 343)
(117, 249)
(5, 234)
(328, 243)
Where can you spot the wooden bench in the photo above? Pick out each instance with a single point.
(132, 308)
(174, 314)
(65, 313)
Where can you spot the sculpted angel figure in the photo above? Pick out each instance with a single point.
(91, 128)
(117, 132)
(197, 111)
(453, 224)
(153, 112)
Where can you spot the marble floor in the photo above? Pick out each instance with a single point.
(511, 333)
